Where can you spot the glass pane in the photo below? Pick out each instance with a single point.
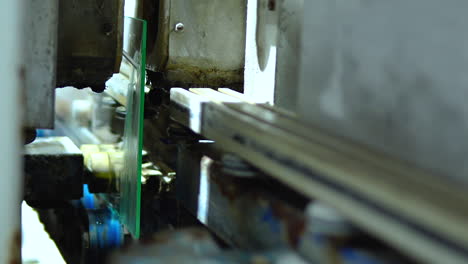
(129, 178)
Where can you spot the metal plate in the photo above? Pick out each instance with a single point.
(203, 52)
(392, 75)
(40, 63)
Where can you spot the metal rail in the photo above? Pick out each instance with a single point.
(419, 213)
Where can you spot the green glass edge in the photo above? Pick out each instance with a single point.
(140, 134)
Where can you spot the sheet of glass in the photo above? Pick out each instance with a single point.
(129, 178)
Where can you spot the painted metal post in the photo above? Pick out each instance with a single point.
(11, 76)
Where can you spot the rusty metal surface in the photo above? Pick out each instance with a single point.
(208, 51)
(89, 42)
(192, 245)
(252, 215)
(249, 216)
(239, 210)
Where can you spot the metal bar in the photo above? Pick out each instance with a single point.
(424, 217)
(13, 77)
(41, 49)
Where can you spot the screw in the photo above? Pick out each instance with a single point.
(179, 27)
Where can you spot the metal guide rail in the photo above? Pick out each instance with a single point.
(419, 213)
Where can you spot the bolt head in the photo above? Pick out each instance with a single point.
(179, 27)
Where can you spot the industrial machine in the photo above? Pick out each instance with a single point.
(236, 131)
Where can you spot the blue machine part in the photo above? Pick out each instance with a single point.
(45, 133)
(105, 230)
(359, 256)
(88, 200)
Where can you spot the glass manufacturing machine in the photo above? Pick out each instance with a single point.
(237, 131)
